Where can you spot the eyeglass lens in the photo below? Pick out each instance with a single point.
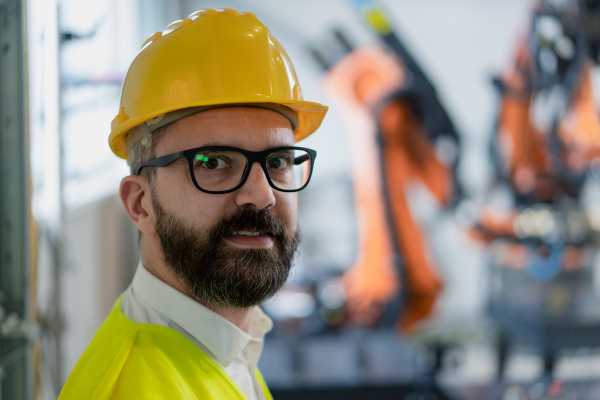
(222, 170)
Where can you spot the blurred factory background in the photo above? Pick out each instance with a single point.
(450, 231)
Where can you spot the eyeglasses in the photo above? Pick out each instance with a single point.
(223, 169)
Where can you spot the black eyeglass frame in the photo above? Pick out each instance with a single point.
(251, 156)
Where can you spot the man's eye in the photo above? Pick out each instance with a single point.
(277, 162)
(212, 162)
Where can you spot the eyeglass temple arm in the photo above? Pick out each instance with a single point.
(301, 159)
(160, 161)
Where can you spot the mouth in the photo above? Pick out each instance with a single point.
(248, 233)
(250, 239)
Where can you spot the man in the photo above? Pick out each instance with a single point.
(210, 112)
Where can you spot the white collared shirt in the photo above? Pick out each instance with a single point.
(148, 300)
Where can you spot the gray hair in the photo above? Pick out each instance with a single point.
(141, 147)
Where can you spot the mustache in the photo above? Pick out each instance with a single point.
(250, 219)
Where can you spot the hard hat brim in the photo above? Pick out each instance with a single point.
(310, 117)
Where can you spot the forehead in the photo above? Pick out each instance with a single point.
(248, 128)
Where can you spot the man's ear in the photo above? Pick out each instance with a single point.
(136, 198)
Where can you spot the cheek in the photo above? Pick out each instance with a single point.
(206, 209)
(287, 209)
(175, 183)
(179, 195)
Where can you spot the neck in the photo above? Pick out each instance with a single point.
(153, 262)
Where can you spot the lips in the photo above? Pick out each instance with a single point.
(247, 233)
(250, 239)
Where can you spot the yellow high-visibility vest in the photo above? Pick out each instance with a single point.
(127, 360)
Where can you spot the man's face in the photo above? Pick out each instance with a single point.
(210, 241)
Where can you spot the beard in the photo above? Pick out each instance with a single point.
(219, 274)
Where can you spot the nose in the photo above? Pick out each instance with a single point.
(256, 191)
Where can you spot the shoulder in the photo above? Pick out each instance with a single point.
(126, 360)
(99, 367)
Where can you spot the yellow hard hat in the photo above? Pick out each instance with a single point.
(213, 57)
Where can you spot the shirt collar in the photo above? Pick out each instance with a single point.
(224, 339)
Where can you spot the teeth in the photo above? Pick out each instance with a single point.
(246, 233)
